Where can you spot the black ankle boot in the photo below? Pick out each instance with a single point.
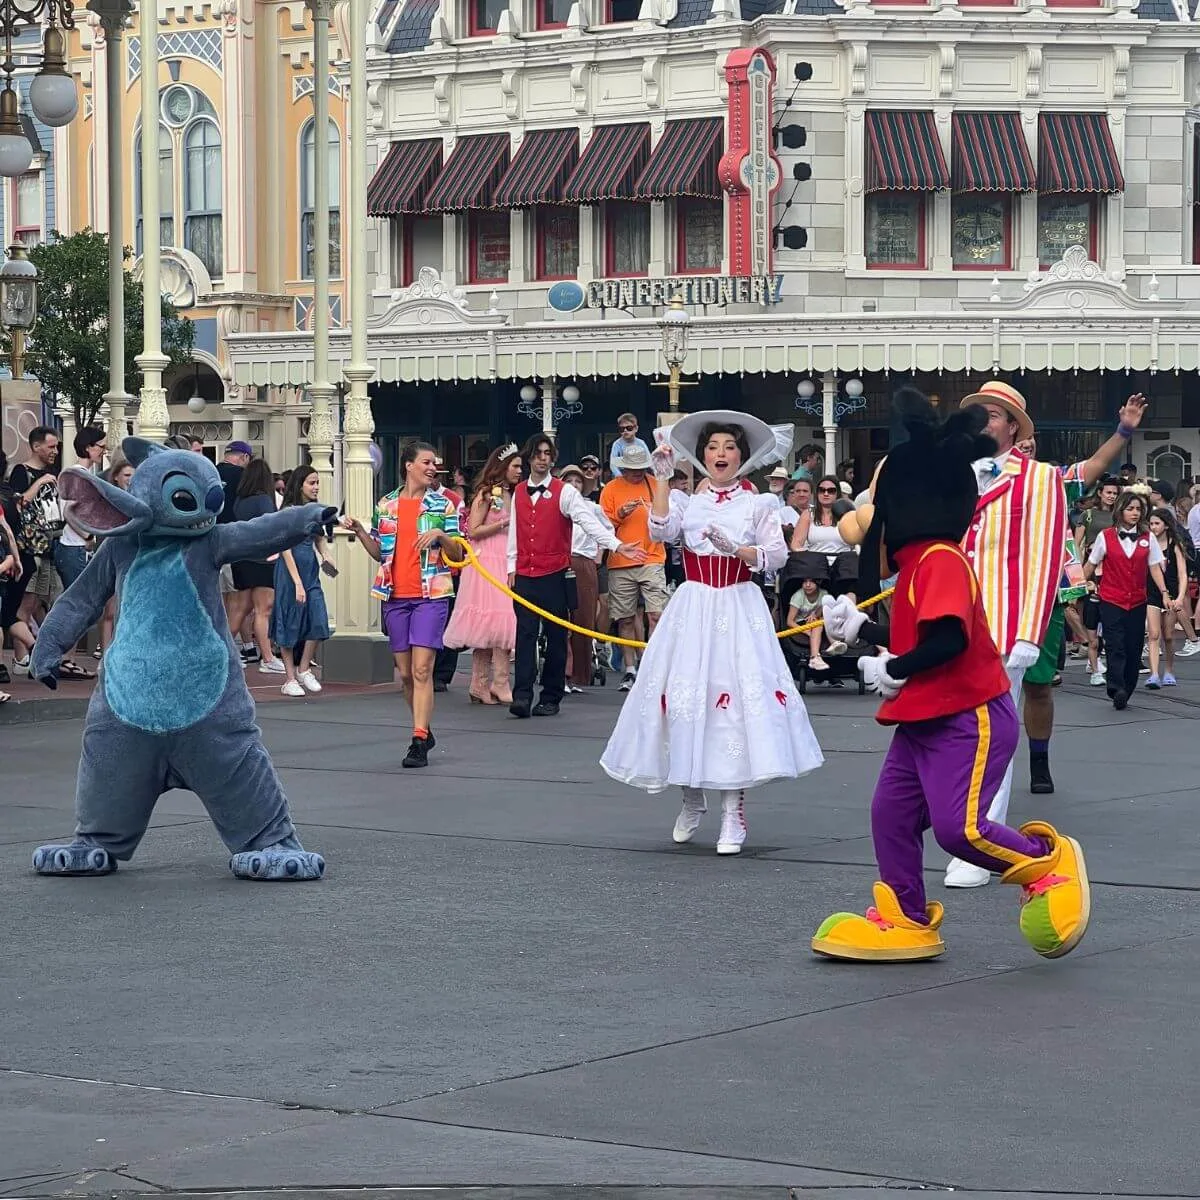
(1040, 783)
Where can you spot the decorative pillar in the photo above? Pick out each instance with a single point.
(321, 390)
(828, 419)
(357, 653)
(153, 419)
(113, 14)
(549, 395)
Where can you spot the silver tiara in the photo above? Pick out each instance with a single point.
(508, 451)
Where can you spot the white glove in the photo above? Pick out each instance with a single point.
(874, 672)
(1022, 656)
(662, 461)
(843, 622)
(720, 541)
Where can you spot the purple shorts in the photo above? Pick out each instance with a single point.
(410, 623)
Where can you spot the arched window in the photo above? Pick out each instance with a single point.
(202, 194)
(166, 187)
(308, 200)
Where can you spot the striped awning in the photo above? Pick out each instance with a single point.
(904, 153)
(536, 176)
(402, 181)
(471, 173)
(1076, 154)
(684, 163)
(610, 165)
(990, 154)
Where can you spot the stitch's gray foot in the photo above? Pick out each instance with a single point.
(78, 858)
(286, 861)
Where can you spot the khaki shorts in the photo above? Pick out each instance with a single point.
(626, 584)
(227, 579)
(45, 581)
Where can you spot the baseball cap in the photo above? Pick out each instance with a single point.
(589, 458)
(240, 448)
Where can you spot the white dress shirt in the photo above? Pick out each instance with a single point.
(1098, 549)
(572, 506)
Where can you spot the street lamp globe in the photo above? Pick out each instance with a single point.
(675, 322)
(529, 393)
(16, 152)
(806, 389)
(570, 393)
(854, 388)
(52, 93)
(197, 404)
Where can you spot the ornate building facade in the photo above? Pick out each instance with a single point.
(235, 167)
(946, 190)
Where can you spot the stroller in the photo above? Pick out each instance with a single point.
(804, 564)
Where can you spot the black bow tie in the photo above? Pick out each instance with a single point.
(535, 488)
(1128, 535)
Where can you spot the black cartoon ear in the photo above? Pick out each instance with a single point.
(137, 450)
(964, 430)
(918, 416)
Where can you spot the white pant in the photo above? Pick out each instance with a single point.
(999, 809)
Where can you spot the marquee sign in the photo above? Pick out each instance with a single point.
(749, 171)
(696, 290)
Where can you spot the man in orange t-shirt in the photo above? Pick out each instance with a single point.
(626, 502)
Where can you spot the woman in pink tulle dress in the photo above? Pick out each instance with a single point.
(484, 621)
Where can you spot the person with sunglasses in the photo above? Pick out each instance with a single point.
(817, 531)
(627, 427)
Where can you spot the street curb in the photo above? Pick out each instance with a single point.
(33, 712)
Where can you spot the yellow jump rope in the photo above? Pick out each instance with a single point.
(472, 559)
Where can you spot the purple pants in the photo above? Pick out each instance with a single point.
(942, 775)
(410, 623)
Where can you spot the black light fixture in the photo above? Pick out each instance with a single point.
(794, 237)
(801, 172)
(792, 137)
(803, 72)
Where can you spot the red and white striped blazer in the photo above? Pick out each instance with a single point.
(1015, 543)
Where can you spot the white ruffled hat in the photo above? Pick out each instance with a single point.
(768, 443)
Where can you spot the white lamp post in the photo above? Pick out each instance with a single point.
(675, 323)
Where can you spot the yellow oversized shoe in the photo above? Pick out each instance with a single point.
(1056, 901)
(885, 934)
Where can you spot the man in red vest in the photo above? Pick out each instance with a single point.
(539, 557)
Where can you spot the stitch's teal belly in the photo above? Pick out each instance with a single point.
(168, 667)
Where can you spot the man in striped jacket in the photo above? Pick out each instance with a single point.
(1016, 542)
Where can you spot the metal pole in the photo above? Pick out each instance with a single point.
(321, 389)
(828, 398)
(153, 418)
(113, 15)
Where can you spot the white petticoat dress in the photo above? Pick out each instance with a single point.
(714, 704)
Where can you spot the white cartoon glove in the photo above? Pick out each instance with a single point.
(720, 541)
(662, 461)
(874, 672)
(1022, 656)
(843, 623)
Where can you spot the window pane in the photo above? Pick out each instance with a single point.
(203, 167)
(166, 231)
(425, 235)
(307, 198)
(202, 236)
(166, 173)
(489, 247)
(620, 11)
(1063, 222)
(893, 233)
(29, 200)
(554, 12)
(629, 238)
(701, 238)
(486, 13)
(558, 242)
(979, 232)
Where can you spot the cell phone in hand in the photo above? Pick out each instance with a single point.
(329, 569)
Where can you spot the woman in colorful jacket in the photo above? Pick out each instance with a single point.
(411, 529)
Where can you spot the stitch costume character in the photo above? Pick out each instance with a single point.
(171, 708)
(946, 691)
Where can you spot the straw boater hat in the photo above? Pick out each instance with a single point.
(768, 443)
(1008, 398)
(779, 473)
(570, 469)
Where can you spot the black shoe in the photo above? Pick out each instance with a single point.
(545, 710)
(1120, 699)
(520, 708)
(1040, 783)
(4, 677)
(439, 686)
(430, 740)
(418, 753)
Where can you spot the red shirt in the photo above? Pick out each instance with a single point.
(936, 581)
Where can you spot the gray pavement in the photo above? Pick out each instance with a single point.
(511, 979)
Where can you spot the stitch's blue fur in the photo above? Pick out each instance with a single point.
(172, 708)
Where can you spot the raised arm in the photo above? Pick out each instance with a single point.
(256, 540)
(575, 508)
(73, 614)
(1129, 418)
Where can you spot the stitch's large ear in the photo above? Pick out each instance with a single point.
(137, 450)
(99, 509)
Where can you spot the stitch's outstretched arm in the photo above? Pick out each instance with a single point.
(242, 541)
(73, 614)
